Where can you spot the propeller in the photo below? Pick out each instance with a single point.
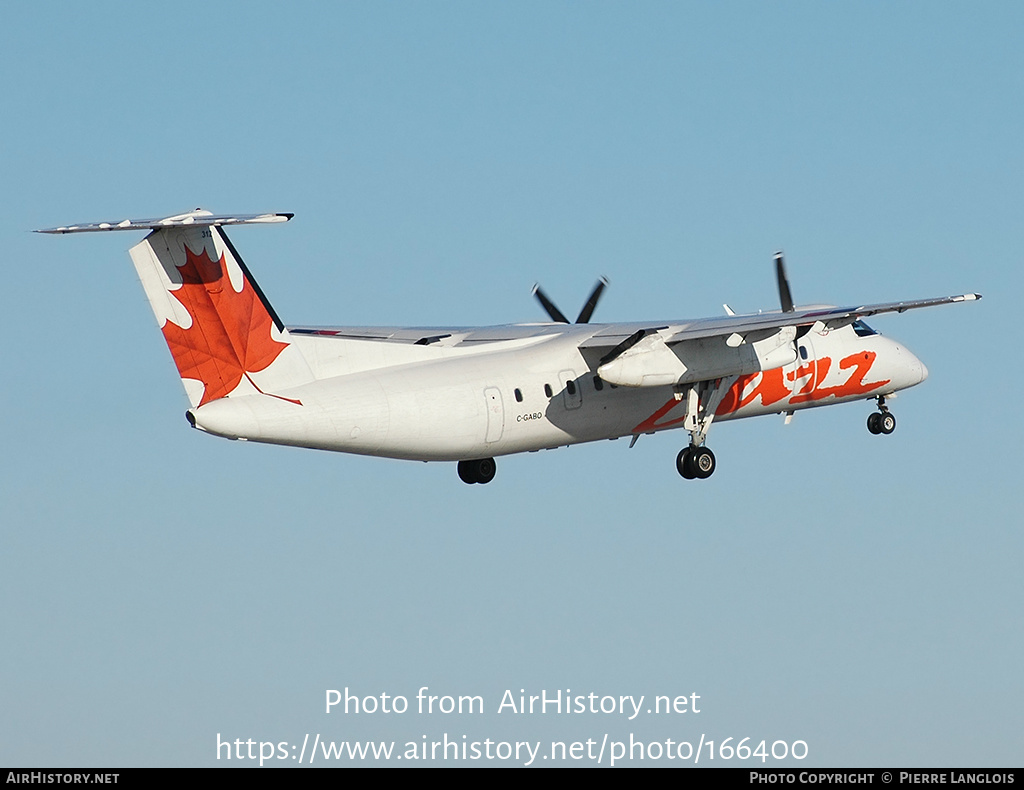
(556, 315)
(785, 297)
(591, 303)
(585, 314)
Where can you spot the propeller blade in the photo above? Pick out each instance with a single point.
(588, 308)
(549, 306)
(629, 342)
(785, 297)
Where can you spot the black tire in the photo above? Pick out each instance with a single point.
(466, 473)
(886, 423)
(683, 465)
(703, 462)
(875, 422)
(484, 470)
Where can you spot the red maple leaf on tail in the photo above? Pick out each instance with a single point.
(230, 332)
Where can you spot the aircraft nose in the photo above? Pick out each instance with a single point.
(906, 369)
(916, 368)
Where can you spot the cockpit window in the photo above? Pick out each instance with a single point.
(862, 329)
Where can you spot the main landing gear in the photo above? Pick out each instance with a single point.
(702, 401)
(882, 421)
(480, 471)
(695, 462)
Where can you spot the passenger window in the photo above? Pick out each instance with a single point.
(803, 352)
(519, 395)
(570, 386)
(547, 390)
(598, 383)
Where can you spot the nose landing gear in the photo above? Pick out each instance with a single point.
(882, 421)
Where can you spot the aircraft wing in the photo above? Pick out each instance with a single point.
(830, 317)
(444, 335)
(652, 355)
(608, 336)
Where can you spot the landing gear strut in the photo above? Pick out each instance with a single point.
(702, 401)
(882, 421)
(480, 471)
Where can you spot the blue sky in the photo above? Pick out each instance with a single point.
(860, 593)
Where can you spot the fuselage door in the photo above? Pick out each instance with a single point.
(570, 389)
(805, 369)
(495, 414)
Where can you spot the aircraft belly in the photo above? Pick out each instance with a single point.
(327, 415)
(440, 422)
(464, 414)
(445, 411)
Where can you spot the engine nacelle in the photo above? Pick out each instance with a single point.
(653, 363)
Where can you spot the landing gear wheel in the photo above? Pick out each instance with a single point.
(479, 471)
(485, 469)
(703, 462)
(684, 465)
(466, 472)
(882, 422)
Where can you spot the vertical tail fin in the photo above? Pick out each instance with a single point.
(223, 334)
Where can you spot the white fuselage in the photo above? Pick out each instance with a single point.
(446, 402)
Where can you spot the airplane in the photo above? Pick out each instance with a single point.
(471, 394)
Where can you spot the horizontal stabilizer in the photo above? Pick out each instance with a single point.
(198, 218)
